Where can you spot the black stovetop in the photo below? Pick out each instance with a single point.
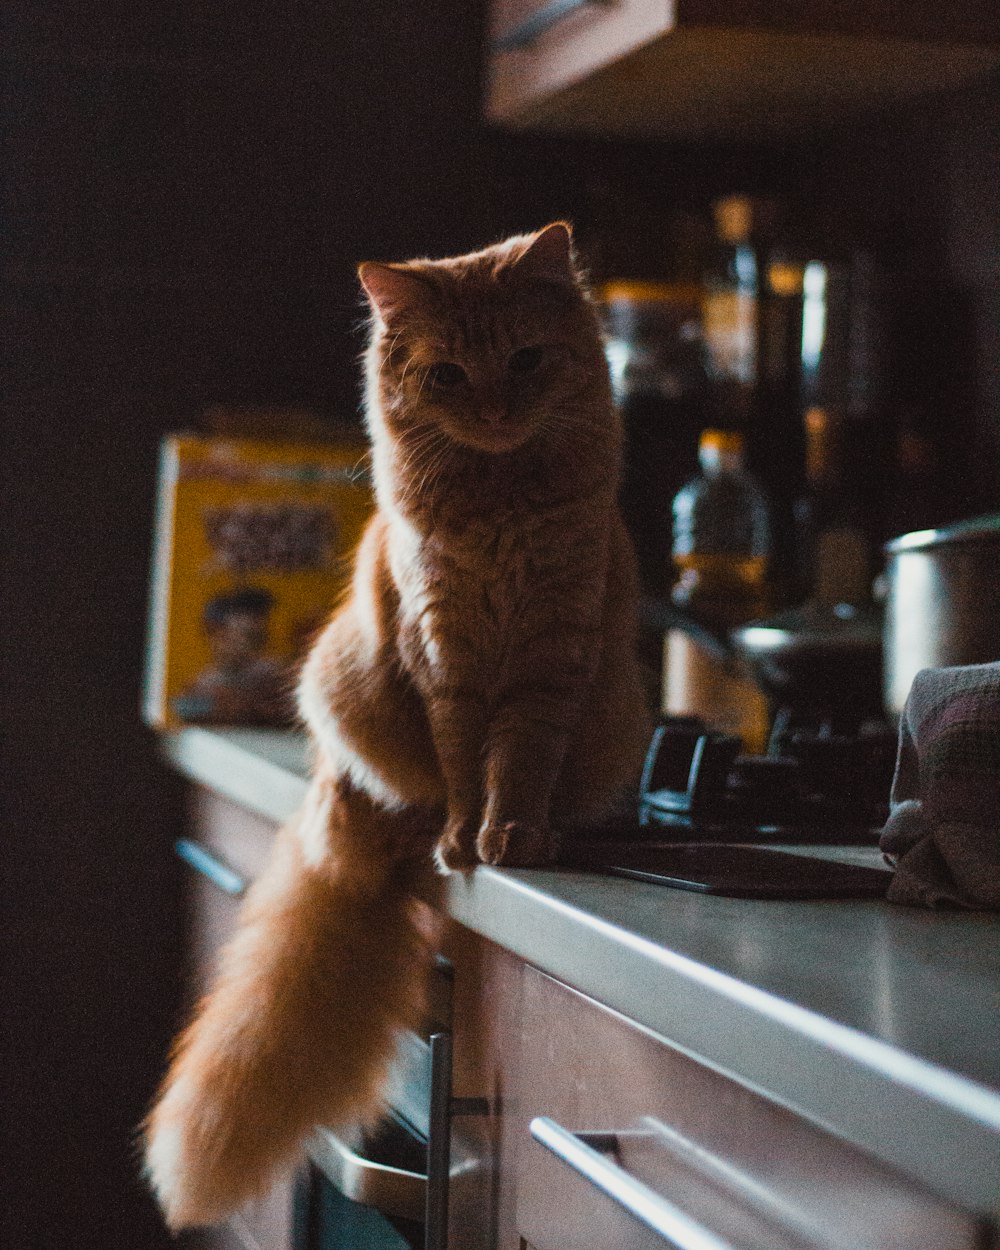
(811, 786)
(718, 820)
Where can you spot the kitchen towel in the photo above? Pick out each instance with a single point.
(943, 832)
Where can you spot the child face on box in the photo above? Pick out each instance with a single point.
(238, 638)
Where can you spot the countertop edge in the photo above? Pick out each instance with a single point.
(905, 1110)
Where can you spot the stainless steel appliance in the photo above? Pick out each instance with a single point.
(387, 1188)
(942, 604)
(821, 662)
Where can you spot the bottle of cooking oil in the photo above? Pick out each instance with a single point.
(722, 536)
(721, 546)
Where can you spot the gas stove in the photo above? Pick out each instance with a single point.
(800, 821)
(812, 785)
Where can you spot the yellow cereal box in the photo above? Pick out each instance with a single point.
(253, 547)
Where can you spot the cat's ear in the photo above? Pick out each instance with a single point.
(549, 254)
(392, 289)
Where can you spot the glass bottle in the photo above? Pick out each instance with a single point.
(752, 310)
(656, 360)
(835, 551)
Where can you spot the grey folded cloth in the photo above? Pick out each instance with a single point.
(943, 832)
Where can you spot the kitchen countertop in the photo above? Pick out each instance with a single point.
(880, 1022)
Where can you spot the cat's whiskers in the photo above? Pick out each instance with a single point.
(564, 430)
(424, 377)
(420, 446)
(387, 352)
(406, 369)
(432, 473)
(422, 442)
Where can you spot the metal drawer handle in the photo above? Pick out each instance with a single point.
(582, 1152)
(418, 1196)
(536, 24)
(209, 866)
(391, 1190)
(439, 1166)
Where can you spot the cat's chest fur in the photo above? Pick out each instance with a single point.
(471, 598)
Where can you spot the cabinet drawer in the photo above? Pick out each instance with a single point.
(227, 849)
(711, 1163)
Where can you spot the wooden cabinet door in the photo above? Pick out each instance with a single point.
(227, 849)
(542, 46)
(724, 68)
(608, 1113)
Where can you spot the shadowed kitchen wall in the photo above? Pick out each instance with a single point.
(186, 189)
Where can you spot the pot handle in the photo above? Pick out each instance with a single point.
(662, 615)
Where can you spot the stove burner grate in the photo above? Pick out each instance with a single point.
(811, 786)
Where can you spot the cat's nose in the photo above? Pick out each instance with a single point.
(492, 414)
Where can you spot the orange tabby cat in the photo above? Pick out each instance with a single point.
(479, 679)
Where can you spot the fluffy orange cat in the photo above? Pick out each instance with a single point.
(479, 679)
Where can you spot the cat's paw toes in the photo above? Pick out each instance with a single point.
(456, 848)
(515, 844)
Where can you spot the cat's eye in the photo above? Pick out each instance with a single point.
(525, 360)
(446, 374)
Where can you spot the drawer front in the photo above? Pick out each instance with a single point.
(226, 850)
(614, 1110)
(241, 838)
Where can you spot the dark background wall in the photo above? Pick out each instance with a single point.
(186, 189)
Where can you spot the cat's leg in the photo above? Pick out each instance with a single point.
(528, 738)
(459, 723)
(372, 724)
(525, 752)
(610, 739)
(574, 736)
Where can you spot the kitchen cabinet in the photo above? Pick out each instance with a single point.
(785, 1075)
(226, 849)
(738, 69)
(585, 1105)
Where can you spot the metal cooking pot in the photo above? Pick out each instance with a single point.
(942, 602)
(817, 660)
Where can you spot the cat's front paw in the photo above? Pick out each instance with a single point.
(516, 844)
(456, 848)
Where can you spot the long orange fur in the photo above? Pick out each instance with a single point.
(479, 679)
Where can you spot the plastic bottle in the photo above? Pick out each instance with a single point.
(721, 547)
(722, 537)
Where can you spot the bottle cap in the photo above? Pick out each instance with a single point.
(726, 442)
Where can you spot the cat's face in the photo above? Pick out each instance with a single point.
(489, 351)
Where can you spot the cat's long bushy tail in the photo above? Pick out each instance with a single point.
(327, 965)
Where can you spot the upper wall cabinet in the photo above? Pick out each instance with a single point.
(725, 68)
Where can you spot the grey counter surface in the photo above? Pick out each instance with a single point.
(880, 1022)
